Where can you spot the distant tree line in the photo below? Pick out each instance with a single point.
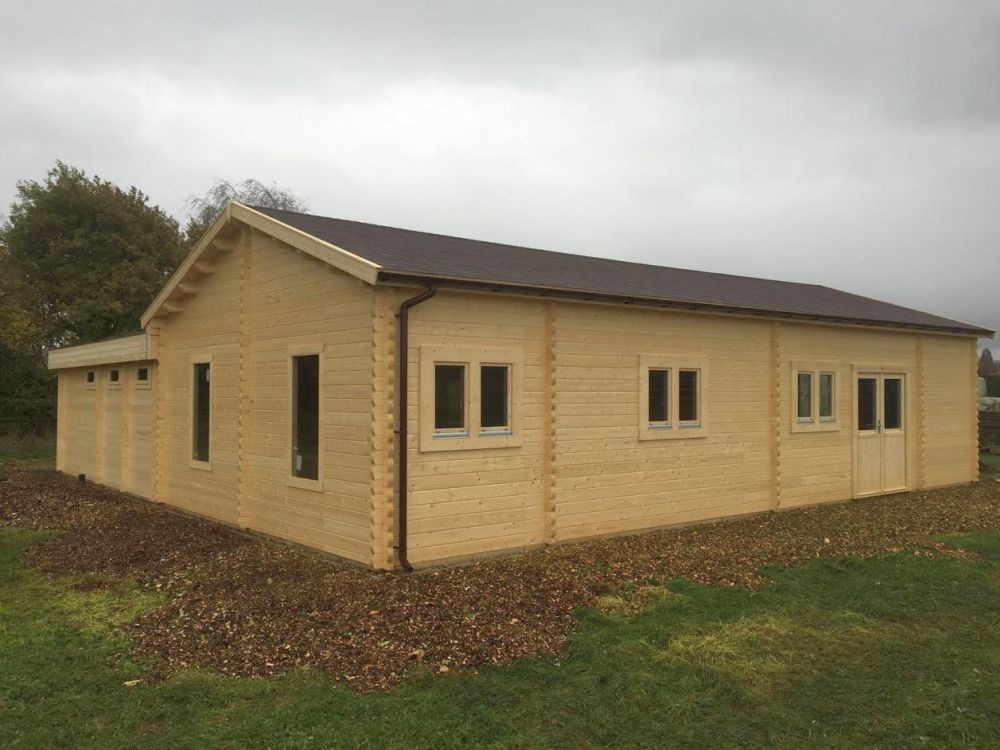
(80, 260)
(989, 370)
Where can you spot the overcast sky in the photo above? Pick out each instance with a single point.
(853, 144)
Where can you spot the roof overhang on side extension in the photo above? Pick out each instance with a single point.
(110, 351)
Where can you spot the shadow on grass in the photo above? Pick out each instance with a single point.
(900, 651)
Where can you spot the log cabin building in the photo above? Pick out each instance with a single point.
(400, 398)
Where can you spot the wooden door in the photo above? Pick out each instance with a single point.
(880, 433)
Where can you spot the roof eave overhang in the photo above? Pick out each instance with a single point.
(578, 295)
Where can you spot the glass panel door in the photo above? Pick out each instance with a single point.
(868, 404)
(879, 437)
(893, 433)
(892, 401)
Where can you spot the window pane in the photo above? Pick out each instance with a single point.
(866, 403)
(493, 396)
(114, 376)
(687, 384)
(202, 403)
(893, 391)
(805, 409)
(449, 397)
(825, 394)
(659, 395)
(305, 416)
(142, 374)
(90, 376)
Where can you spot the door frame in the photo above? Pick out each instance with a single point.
(909, 422)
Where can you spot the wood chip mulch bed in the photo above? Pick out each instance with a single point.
(248, 607)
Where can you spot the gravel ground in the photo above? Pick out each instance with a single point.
(244, 606)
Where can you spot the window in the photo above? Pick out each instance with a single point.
(805, 409)
(201, 411)
(449, 398)
(469, 398)
(91, 381)
(814, 397)
(494, 398)
(305, 416)
(688, 397)
(826, 396)
(670, 397)
(659, 397)
(114, 378)
(141, 380)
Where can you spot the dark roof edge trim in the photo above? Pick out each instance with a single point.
(546, 291)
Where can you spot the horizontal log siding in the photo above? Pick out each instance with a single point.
(470, 502)
(207, 326)
(949, 399)
(296, 301)
(77, 428)
(111, 463)
(607, 480)
(816, 467)
(105, 432)
(141, 434)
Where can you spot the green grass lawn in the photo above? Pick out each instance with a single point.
(992, 460)
(28, 451)
(902, 651)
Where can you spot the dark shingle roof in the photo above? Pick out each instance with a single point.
(402, 252)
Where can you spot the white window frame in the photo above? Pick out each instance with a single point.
(304, 483)
(814, 422)
(474, 436)
(673, 428)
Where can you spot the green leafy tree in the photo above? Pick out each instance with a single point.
(203, 210)
(85, 257)
(26, 403)
(80, 259)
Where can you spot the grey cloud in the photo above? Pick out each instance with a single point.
(855, 144)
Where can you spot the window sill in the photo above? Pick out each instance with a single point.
(464, 441)
(450, 435)
(670, 432)
(200, 465)
(815, 426)
(313, 485)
